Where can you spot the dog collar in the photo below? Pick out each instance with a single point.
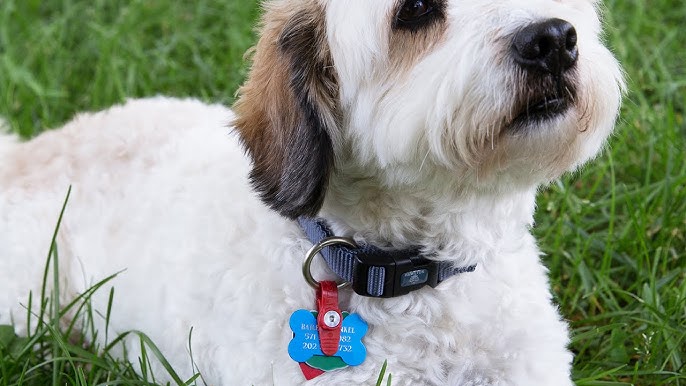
(375, 272)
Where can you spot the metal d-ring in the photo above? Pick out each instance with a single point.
(309, 257)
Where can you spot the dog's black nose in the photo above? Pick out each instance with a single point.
(548, 46)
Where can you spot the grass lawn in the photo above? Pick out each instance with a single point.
(614, 233)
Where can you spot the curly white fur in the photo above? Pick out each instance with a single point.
(161, 194)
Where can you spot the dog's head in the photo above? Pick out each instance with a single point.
(491, 94)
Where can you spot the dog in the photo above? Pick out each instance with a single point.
(403, 125)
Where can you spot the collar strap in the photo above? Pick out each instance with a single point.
(379, 273)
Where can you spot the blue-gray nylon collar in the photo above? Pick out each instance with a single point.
(375, 272)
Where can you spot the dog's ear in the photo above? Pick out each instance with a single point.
(287, 109)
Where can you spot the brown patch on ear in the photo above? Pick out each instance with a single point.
(287, 109)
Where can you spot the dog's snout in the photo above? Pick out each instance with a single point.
(549, 46)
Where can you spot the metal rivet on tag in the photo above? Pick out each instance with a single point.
(332, 319)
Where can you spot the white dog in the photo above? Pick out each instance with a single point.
(405, 124)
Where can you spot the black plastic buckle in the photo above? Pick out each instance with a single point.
(402, 274)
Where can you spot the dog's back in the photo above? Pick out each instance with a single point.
(125, 165)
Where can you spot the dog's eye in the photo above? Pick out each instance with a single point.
(414, 13)
(413, 10)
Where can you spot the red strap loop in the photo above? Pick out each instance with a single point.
(329, 317)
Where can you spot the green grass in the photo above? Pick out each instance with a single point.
(58, 57)
(614, 234)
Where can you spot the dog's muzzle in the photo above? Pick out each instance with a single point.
(546, 53)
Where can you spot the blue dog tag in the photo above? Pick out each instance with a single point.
(305, 342)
